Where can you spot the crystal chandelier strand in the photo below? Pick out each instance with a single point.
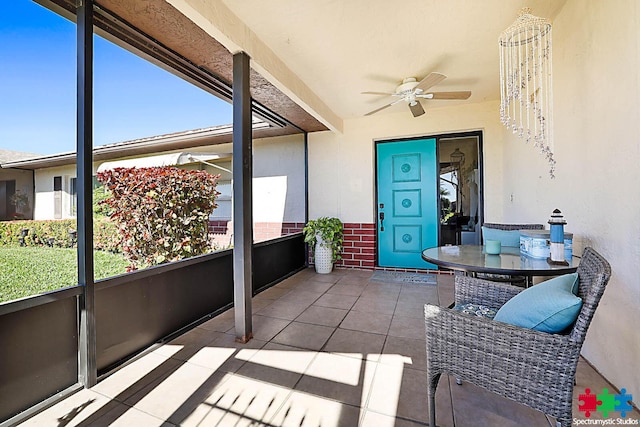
(535, 102)
(529, 95)
(550, 142)
(502, 86)
(526, 105)
(522, 86)
(540, 95)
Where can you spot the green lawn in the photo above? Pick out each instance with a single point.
(34, 270)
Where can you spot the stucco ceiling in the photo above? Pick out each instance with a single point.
(341, 48)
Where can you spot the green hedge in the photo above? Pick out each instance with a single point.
(56, 233)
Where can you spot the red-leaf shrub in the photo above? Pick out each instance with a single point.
(162, 213)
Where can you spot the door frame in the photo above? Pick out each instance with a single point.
(437, 137)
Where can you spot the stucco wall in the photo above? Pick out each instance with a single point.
(44, 205)
(278, 170)
(596, 124)
(341, 166)
(278, 180)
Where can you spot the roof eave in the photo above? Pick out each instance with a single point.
(200, 137)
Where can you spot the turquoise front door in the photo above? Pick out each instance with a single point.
(407, 202)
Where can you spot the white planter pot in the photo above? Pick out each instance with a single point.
(323, 256)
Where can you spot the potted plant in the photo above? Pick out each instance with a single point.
(324, 236)
(21, 203)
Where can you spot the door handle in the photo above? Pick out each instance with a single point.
(381, 216)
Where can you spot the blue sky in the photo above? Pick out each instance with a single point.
(132, 97)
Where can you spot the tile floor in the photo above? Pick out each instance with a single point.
(328, 350)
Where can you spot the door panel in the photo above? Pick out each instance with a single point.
(407, 202)
(7, 191)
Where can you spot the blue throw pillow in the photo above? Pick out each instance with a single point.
(550, 306)
(509, 238)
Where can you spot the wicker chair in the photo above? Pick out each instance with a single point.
(514, 226)
(514, 280)
(533, 368)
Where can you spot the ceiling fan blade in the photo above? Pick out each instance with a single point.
(377, 93)
(416, 109)
(462, 94)
(431, 80)
(384, 106)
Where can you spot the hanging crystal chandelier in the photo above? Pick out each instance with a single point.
(526, 105)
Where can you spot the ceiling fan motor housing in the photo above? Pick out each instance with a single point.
(407, 85)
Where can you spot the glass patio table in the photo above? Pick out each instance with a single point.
(472, 259)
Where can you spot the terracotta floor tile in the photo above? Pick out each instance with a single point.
(407, 327)
(374, 419)
(475, 406)
(238, 401)
(361, 345)
(324, 316)
(125, 416)
(412, 349)
(336, 301)
(375, 304)
(336, 377)
(277, 364)
(80, 408)
(302, 409)
(332, 277)
(349, 289)
(187, 344)
(304, 335)
(176, 394)
(300, 296)
(287, 310)
(398, 391)
(315, 286)
(222, 354)
(135, 376)
(367, 322)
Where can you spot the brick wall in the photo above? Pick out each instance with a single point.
(359, 246)
(270, 230)
(360, 250)
(291, 228)
(221, 231)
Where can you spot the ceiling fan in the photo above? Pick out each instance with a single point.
(411, 90)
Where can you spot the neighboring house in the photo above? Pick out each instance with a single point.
(15, 182)
(311, 61)
(279, 193)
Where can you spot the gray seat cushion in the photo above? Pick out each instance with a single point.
(476, 310)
